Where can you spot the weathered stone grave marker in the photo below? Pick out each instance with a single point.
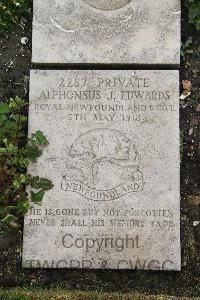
(106, 31)
(113, 157)
(114, 136)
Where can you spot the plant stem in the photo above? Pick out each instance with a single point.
(18, 126)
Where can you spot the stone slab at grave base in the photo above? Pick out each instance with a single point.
(113, 157)
(106, 31)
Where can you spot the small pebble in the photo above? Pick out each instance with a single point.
(191, 131)
(198, 108)
(24, 40)
(196, 223)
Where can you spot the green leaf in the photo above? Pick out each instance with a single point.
(40, 138)
(23, 118)
(37, 197)
(194, 10)
(23, 207)
(40, 183)
(33, 152)
(45, 184)
(182, 53)
(2, 119)
(4, 108)
(188, 42)
(9, 218)
(23, 162)
(15, 154)
(11, 207)
(17, 118)
(3, 151)
(19, 101)
(2, 132)
(16, 184)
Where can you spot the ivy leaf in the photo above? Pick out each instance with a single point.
(33, 152)
(37, 197)
(40, 183)
(45, 184)
(40, 138)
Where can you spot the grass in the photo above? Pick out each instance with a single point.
(58, 294)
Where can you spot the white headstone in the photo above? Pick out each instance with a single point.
(106, 31)
(113, 157)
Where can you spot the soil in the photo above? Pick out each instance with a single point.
(15, 64)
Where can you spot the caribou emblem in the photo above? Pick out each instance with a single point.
(102, 164)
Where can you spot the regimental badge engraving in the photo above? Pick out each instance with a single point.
(103, 165)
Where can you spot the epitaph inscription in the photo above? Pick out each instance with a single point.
(106, 31)
(113, 157)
